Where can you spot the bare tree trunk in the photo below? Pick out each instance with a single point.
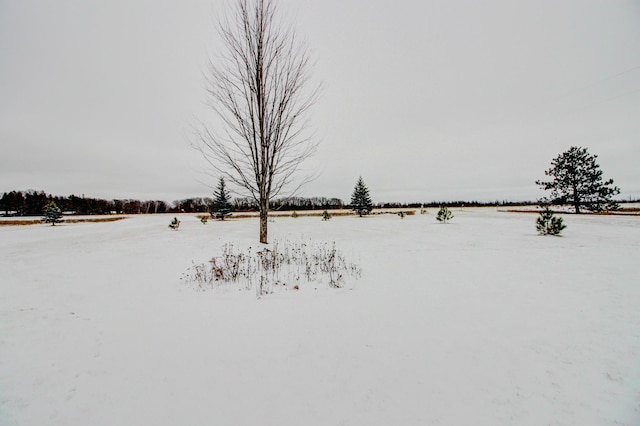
(576, 199)
(264, 219)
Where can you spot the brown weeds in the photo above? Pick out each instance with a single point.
(23, 222)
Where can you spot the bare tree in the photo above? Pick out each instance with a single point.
(258, 88)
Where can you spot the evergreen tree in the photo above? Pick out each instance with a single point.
(444, 214)
(360, 199)
(222, 201)
(577, 180)
(175, 224)
(52, 214)
(326, 215)
(548, 224)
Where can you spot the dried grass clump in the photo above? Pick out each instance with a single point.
(67, 219)
(286, 265)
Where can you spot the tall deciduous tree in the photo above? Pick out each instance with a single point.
(577, 180)
(360, 199)
(258, 88)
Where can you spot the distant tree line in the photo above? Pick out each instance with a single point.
(301, 203)
(459, 203)
(33, 203)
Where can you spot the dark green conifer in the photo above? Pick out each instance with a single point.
(577, 180)
(52, 214)
(175, 224)
(444, 214)
(222, 201)
(548, 224)
(360, 199)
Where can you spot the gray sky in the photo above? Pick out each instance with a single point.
(427, 100)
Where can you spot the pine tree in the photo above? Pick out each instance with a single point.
(444, 214)
(577, 180)
(360, 199)
(52, 214)
(548, 224)
(175, 224)
(222, 201)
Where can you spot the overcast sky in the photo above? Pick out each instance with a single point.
(427, 100)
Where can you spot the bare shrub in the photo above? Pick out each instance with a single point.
(285, 265)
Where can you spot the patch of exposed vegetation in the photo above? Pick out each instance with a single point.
(286, 265)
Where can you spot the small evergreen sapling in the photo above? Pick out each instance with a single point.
(444, 214)
(326, 215)
(175, 224)
(52, 214)
(548, 224)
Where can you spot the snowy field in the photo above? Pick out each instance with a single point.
(477, 322)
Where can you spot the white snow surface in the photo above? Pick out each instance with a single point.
(476, 322)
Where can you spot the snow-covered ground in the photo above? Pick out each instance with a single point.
(476, 322)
